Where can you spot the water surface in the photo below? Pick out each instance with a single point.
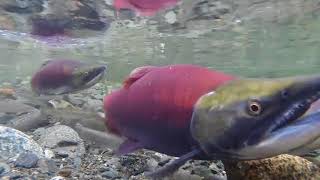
(256, 49)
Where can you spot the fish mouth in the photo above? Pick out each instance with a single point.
(249, 119)
(294, 130)
(94, 75)
(293, 113)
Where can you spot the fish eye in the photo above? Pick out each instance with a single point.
(86, 73)
(254, 107)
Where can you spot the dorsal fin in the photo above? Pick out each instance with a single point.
(136, 74)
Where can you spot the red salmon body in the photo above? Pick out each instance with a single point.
(154, 107)
(53, 74)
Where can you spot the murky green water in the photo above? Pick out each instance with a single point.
(255, 50)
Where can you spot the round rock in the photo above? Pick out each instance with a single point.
(63, 140)
(47, 166)
(13, 143)
(26, 160)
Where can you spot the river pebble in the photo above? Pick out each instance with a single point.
(26, 160)
(47, 166)
(63, 141)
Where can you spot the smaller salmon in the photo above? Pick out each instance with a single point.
(65, 76)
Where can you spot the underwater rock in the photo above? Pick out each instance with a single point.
(206, 169)
(272, 11)
(209, 10)
(193, 169)
(126, 14)
(7, 93)
(49, 25)
(26, 160)
(22, 6)
(200, 15)
(60, 104)
(53, 21)
(4, 168)
(7, 22)
(47, 166)
(203, 16)
(93, 105)
(313, 156)
(110, 173)
(171, 17)
(63, 16)
(72, 117)
(63, 141)
(279, 167)
(48, 153)
(75, 99)
(20, 116)
(13, 143)
(88, 99)
(15, 175)
(133, 164)
(65, 172)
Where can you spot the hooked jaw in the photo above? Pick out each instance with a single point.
(258, 118)
(85, 77)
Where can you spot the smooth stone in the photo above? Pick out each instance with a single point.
(93, 104)
(75, 99)
(26, 160)
(47, 166)
(62, 140)
(48, 153)
(110, 174)
(171, 17)
(152, 164)
(15, 175)
(65, 172)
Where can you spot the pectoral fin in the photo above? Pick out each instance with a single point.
(173, 166)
